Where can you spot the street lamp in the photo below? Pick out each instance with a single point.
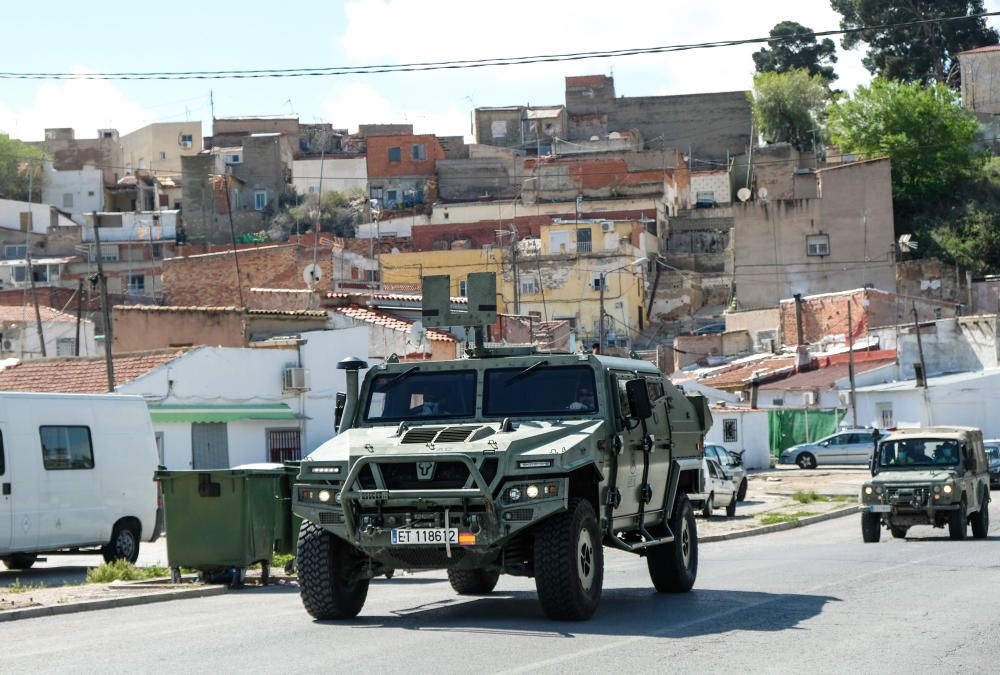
(603, 277)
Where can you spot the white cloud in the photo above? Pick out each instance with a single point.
(85, 105)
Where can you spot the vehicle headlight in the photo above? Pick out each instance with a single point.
(324, 495)
(531, 491)
(514, 494)
(869, 489)
(947, 489)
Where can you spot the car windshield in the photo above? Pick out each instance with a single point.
(993, 452)
(919, 452)
(412, 393)
(539, 390)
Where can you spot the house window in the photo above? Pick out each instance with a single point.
(234, 158)
(284, 445)
(136, 284)
(884, 411)
(391, 196)
(163, 155)
(15, 251)
(109, 253)
(66, 447)
(157, 251)
(90, 193)
(187, 140)
(259, 200)
(419, 151)
(528, 285)
(463, 288)
(371, 275)
(66, 347)
(818, 245)
(729, 430)
(598, 282)
(67, 200)
(234, 201)
(395, 155)
(584, 242)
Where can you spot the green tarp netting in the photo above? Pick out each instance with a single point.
(791, 427)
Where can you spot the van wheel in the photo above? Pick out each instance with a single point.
(325, 564)
(673, 567)
(731, 508)
(871, 527)
(898, 532)
(742, 494)
(981, 521)
(124, 544)
(706, 510)
(806, 461)
(473, 582)
(569, 563)
(958, 525)
(19, 561)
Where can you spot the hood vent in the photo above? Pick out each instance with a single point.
(420, 434)
(463, 434)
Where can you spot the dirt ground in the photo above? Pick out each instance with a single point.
(769, 493)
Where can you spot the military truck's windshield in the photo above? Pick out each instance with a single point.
(540, 390)
(423, 395)
(919, 453)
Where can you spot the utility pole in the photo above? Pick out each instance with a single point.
(79, 316)
(600, 320)
(105, 314)
(27, 258)
(850, 365)
(920, 346)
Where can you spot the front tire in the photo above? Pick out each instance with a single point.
(124, 544)
(742, 494)
(673, 567)
(871, 527)
(898, 532)
(981, 521)
(19, 561)
(731, 508)
(958, 525)
(806, 461)
(569, 563)
(473, 582)
(706, 510)
(324, 563)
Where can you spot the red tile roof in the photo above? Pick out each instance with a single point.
(825, 378)
(391, 322)
(16, 313)
(82, 375)
(739, 375)
(981, 50)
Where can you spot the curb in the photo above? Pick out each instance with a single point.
(780, 527)
(109, 603)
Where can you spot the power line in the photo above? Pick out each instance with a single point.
(327, 71)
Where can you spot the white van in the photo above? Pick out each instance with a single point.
(76, 472)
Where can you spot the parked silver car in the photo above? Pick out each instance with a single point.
(849, 446)
(733, 468)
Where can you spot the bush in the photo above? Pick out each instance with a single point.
(122, 570)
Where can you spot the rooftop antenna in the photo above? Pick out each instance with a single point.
(743, 194)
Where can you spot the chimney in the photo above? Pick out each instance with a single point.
(754, 390)
(798, 319)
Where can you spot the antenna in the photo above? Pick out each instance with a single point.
(415, 338)
(312, 275)
(743, 194)
(762, 194)
(906, 243)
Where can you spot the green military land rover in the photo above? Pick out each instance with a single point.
(928, 476)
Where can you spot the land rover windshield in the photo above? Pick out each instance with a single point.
(417, 394)
(539, 389)
(920, 453)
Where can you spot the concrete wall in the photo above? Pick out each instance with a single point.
(341, 174)
(69, 153)
(142, 148)
(715, 182)
(981, 81)
(854, 211)
(932, 279)
(760, 324)
(84, 188)
(43, 217)
(752, 434)
(22, 334)
(951, 345)
(142, 227)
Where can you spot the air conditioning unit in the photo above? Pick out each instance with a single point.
(607, 226)
(294, 379)
(187, 144)
(845, 398)
(809, 398)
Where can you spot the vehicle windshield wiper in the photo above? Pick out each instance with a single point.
(527, 371)
(399, 378)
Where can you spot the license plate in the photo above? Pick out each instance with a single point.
(880, 508)
(427, 535)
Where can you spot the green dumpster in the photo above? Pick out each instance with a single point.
(287, 525)
(222, 521)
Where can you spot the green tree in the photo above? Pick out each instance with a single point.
(793, 47)
(924, 52)
(924, 131)
(338, 213)
(789, 107)
(17, 160)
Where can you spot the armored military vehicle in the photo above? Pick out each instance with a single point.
(508, 461)
(929, 476)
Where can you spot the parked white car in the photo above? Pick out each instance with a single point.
(731, 466)
(76, 473)
(717, 488)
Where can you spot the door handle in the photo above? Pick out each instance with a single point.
(6, 488)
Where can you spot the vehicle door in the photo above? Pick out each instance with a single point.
(833, 450)
(859, 448)
(6, 496)
(722, 484)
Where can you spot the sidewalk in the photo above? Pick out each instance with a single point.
(771, 495)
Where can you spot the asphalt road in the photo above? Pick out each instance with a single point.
(809, 600)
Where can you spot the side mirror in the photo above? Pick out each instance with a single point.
(338, 409)
(638, 399)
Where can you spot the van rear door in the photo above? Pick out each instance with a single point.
(6, 497)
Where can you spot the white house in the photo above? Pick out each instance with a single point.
(19, 336)
(970, 399)
(742, 430)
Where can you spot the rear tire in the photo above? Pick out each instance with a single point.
(124, 544)
(981, 521)
(871, 527)
(958, 524)
(898, 532)
(706, 510)
(473, 582)
(569, 563)
(741, 495)
(673, 567)
(731, 508)
(324, 563)
(806, 461)
(19, 561)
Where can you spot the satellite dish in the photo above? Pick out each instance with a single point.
(906, 243)
(762, 193)
(743, 194)
(311, 275)
(415, 338)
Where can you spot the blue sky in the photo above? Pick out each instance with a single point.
(181, 35)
